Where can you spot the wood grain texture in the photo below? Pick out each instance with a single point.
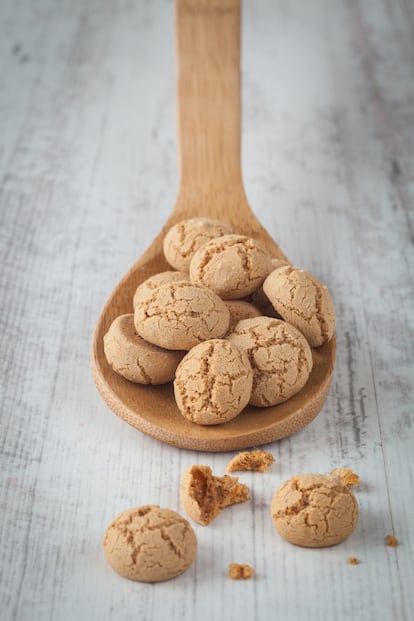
(87, 172)
(207, 38)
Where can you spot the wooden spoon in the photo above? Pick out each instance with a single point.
(208, 66)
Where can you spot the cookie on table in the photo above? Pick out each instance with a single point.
(150, 544)
(314, 510)
(257, 460)
(203, 496)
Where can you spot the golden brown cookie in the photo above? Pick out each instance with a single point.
(213, 383)
(179, 315)
(136, 359)
(184, 239)
(203, 496)
(314, 510)
(303, 301)
(239, 309)
(151, 283)
(257, 460)
(279, 355)
(150, 544)
(233, 266)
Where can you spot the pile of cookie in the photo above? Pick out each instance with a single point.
(230, 325)
(150, 544)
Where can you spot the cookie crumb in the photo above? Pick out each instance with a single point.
(391, 541)
(353, 560)
(239, 571)
(348, 478)
(258, 460)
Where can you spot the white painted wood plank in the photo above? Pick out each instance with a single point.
(87, 177)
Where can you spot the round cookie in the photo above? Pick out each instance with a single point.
(259, 299)
(179, 315)
(150, 544)
(213, 383)
(233, 266)
(314, 510)
(279, 355)
(239, 309)
(136, 359)
(186, 237)
(151, 283)
(302, 300)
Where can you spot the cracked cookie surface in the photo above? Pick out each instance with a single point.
(279, 355)
(135, 359)
(151, 283)
(233, 266)
(213, 382)
(239, 309)
(150, 544)
(179, 315)
(314, 510)
(184, 239)
(303, 301)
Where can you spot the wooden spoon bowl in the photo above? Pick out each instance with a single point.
(208, 63)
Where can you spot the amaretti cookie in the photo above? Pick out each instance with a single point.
(151, 283)
(150, 544)
(239, 309)
(314, 510)
(136, 359)
(179, 315)
(279, 355)
(213, 382)
(233, 266)
(303, 301)
(184, 239)
(203, 496)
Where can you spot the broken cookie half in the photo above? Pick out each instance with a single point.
(203, 495)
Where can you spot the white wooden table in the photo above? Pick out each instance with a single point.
(88, 175)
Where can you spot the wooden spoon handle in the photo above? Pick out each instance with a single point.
(208, 80)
